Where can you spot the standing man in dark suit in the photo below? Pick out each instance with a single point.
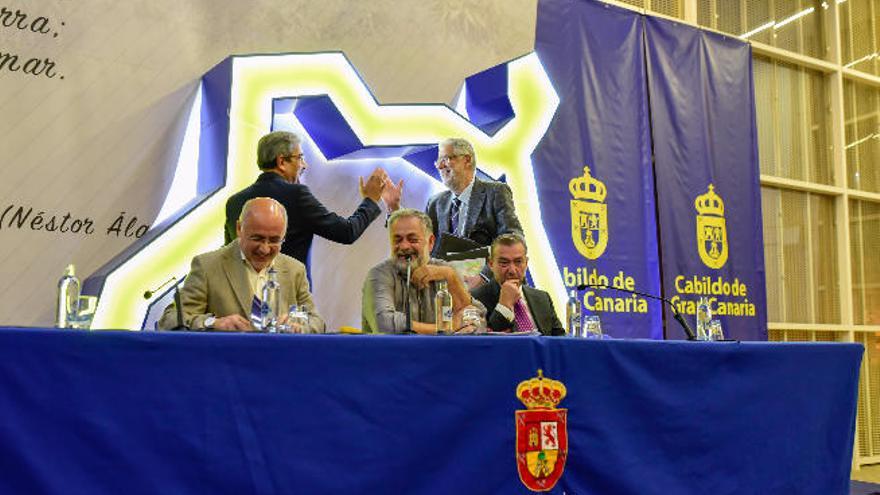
(472, 208)
(280, 157)
(510, 304)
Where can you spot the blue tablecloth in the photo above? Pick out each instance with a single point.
(180, 413)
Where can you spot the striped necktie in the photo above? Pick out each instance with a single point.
(453, 215)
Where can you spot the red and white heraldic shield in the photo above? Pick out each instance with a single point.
(541, 434)
(541, 447)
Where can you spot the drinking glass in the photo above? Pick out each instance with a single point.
(471, 317)
(592, 328)
(81, 317)
(715, 330)
(297, 320)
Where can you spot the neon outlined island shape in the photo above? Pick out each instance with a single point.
(504, 111)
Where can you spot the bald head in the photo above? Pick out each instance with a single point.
(263, 207)
(261, 228)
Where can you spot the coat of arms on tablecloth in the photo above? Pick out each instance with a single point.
(541, 434)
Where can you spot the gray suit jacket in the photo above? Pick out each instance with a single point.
(490, 213)
(217, 285)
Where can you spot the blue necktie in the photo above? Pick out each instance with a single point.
(453, 215)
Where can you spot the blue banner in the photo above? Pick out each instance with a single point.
(708, 180)
(593, 167)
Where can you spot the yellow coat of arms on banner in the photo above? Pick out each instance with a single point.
(711, 229)
(589, 215)
(541, 433)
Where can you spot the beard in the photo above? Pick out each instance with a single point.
(448, 180)
(453, 183)
(400, 262)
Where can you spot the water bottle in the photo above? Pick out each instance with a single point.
(443, 308)
(573, 312)
(67, 308)
(704, 316)
(270, 308)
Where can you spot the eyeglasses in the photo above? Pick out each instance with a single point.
(294, 158)
(446, 159)
(269, 241)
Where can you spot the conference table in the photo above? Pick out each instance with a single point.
(101, 412)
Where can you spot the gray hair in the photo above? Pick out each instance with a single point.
(508, 239)
(273, 145)
(408, 213)
(461, 147)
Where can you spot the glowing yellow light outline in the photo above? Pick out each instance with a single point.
(257, 80)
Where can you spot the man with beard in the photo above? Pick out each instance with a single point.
(471, 208)
(385, 290)
(512, 305)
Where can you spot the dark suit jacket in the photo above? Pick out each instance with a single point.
(306, 216)
(490, 213)
(539, 302)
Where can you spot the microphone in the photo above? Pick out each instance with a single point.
(149, 294)
(675, 314)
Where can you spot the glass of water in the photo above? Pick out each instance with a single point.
(81, 317)
(715, 331)
(592, 328)
(471, 320)
(297, 319)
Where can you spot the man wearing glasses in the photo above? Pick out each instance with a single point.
(512, 305)
(219, 291)
(280, 158)
(471, 208)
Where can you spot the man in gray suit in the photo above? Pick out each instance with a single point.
(471, 208)
(512, 305)
(219, 290)
(386, 293)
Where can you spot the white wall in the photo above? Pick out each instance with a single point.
(104, 139)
